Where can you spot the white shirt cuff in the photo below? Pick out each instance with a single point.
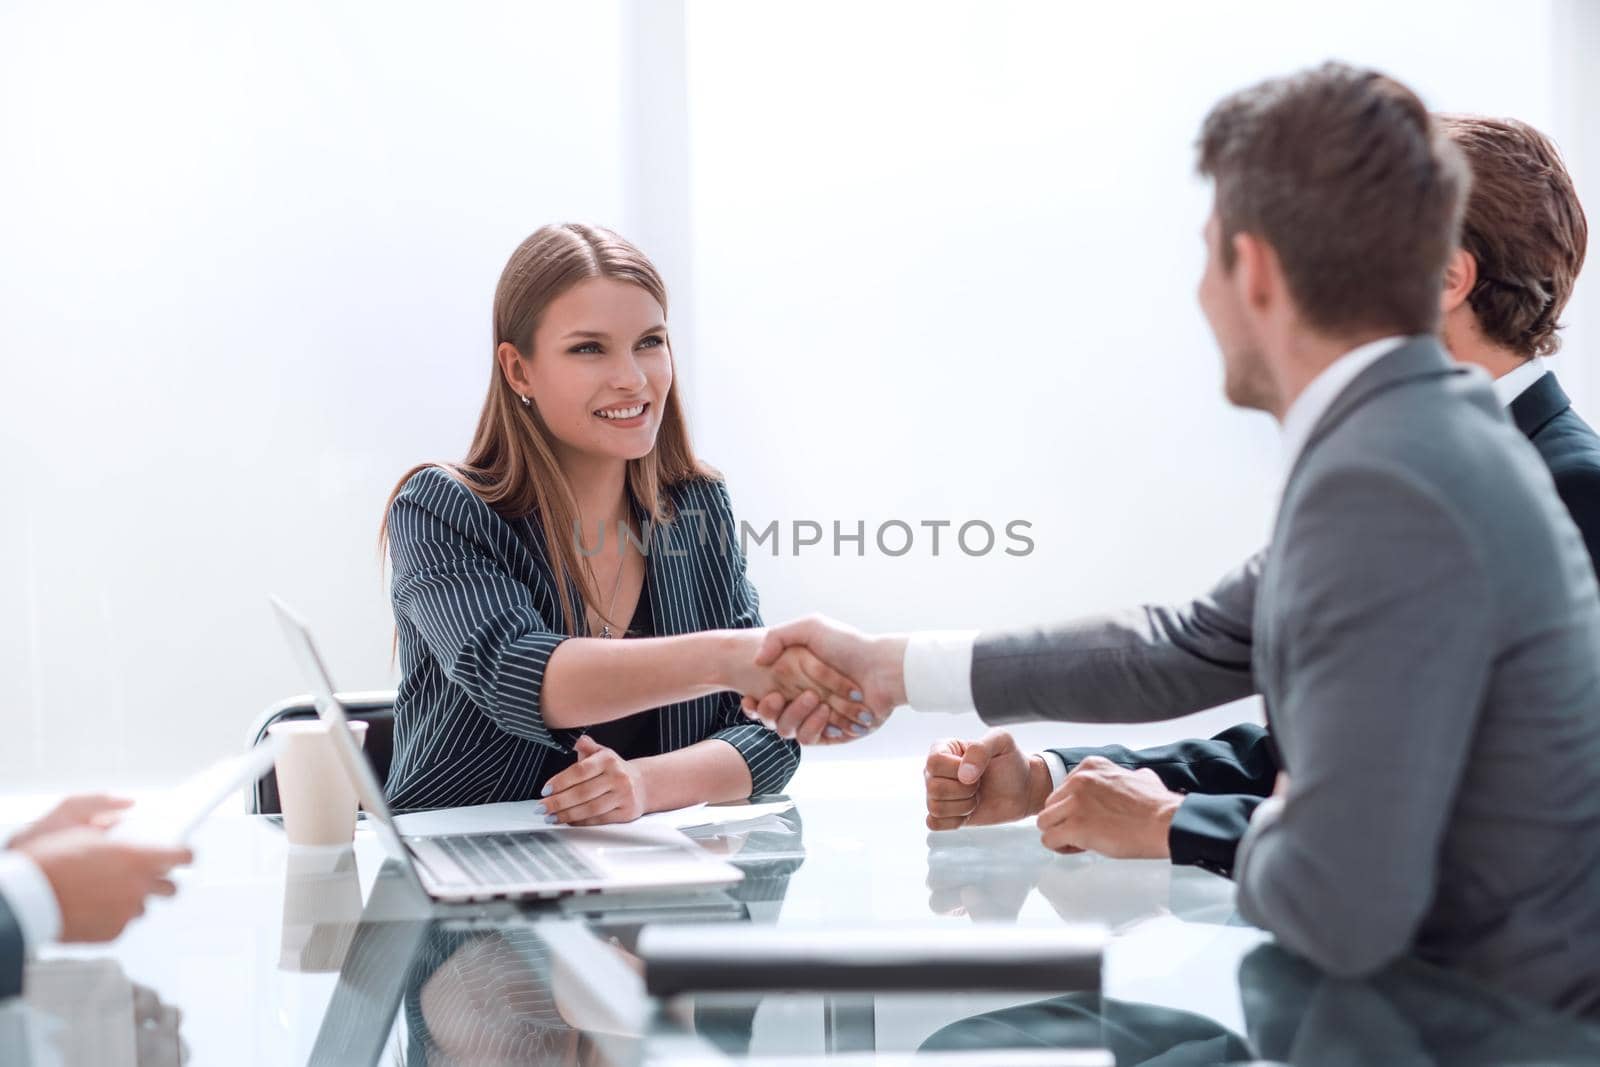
(938, 670)
(32, 901)
(1057, 767)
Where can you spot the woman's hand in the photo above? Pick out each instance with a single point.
(877, 663)
(796, 675)
(601, 787)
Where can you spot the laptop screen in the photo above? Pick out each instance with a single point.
(332, 712)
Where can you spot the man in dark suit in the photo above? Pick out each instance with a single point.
(1522, 246)
(63, 879)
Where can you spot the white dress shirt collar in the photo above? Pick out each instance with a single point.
(1514, 383)
(1318, 396)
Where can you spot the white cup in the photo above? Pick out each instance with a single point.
(319, 800)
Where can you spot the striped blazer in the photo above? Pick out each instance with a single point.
(477, 615)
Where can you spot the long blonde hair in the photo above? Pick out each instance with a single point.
(511, 464)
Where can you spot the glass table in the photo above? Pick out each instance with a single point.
(271, 955)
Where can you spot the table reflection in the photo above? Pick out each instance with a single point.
(1408, 1014)
(987, 874)
(87, 1011)
(321, 907)
(482, 986)
(491, 997)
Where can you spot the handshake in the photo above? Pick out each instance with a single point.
(820, 682)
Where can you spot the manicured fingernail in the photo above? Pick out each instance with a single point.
(857, 729)
(855, 694)
(540, 809)
(545, 791)
(833, 731)
(866, 718)
(551, 819)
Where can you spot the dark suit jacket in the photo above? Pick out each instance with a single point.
(1227, 776)
(1569, 448)
(11, 952)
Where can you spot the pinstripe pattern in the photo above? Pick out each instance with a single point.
(476, 609)
(493, 997)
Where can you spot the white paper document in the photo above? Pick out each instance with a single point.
(526, 815)
(169, 816)
(718, 814)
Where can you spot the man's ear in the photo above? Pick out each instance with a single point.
(1256, 272)
(1460, 277)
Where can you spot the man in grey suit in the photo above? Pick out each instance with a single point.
(1424, 625)
(1522, 248)
(63, 879)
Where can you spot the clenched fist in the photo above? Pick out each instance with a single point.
(983, 782)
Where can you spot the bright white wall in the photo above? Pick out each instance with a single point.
(246, 263)
(945, 258)
(931, 261)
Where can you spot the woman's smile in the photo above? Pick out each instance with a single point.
(625, 416)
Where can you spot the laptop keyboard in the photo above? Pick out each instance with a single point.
(510, 859)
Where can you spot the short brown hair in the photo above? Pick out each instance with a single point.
(1346, 175)
(1525, 228)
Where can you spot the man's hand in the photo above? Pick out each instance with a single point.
(796, 678)
(86, 809)
(980, 783)
(101, 884)
(876, 663)
(601, 787)
(1109, 809)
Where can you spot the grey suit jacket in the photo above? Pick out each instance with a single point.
(1425, 630)
(11, 952)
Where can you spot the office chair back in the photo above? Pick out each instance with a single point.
(376, 709)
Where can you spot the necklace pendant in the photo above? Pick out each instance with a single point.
(605, 630)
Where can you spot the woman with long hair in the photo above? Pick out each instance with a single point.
(580, 517)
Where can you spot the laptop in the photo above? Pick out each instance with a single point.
(541, 862)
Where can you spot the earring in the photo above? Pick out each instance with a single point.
(525, 401)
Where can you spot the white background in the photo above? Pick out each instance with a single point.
(930, 261)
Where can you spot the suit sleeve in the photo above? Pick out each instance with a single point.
(771, 759)
(11, 952)
(1386, 658)
(1208, 828)
(1148, 664)
(1241, 759)
(1579, 489)
(477, 621)
(1226, 778)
